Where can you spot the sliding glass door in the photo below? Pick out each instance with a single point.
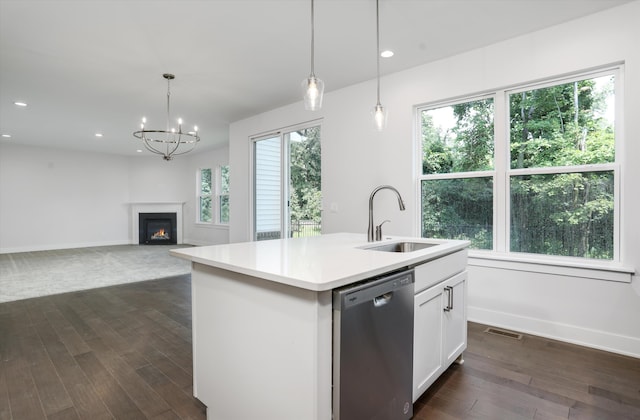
(287, 184)
(268, 188)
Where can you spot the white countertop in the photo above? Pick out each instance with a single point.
(315, 263)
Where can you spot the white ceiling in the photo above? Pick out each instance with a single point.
(96, 66)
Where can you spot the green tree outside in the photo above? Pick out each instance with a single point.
(305, 190)
(564, 213)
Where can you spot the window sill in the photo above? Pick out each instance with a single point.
(211, 226)
(598, 270)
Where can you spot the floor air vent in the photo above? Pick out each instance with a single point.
(503, 333)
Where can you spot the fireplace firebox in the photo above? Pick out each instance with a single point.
(157, 229)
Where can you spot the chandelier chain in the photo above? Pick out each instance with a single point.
(168, 103)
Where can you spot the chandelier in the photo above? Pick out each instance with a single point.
(169, 142)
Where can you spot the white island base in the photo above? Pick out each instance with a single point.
(262, 318)
(262, 350)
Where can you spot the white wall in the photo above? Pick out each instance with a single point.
(355, 159)
(51, 199)
(152, 179)
(54, 199)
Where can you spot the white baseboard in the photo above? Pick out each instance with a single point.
(602, 340)
(196, 243)
(49, 247)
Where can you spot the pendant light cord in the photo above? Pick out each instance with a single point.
(312, 38)
(378, 48)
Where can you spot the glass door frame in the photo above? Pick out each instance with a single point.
(285, 213)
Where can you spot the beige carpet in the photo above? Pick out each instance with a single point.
(30, 274)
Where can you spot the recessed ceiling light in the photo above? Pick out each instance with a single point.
(138, 151)
(18, 103)
(386, 54)
(98, 134)
(6, 135)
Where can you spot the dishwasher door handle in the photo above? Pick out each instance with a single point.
(382, 300)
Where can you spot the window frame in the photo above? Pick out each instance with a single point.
(282, 134)
(614, 166)
(454, 175)
(200, 196)
(219, 194)
(502, 172)
(215, 196)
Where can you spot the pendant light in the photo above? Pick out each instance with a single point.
(312, 87)
(379, 112)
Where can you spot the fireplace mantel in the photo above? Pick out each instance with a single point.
(155, 207)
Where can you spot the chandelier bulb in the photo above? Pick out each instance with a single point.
(195, 128)
(179, 121)
(144, 120)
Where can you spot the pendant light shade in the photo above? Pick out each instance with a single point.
(312, 87)
(379, 112)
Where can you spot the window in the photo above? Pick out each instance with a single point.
(205, 187)
(562, 175)
(207, 213)
(223, 194)
(539, 177)
(457, 172)
(287, 184)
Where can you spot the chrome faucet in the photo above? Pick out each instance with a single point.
(378, 236)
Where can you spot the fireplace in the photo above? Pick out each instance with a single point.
(157, 229)
(138, 210)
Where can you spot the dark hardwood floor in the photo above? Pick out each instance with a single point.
(533, 378)
(116, 352)
(124, 352)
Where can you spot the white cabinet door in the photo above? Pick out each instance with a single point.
(440, 330)
(455, 317)
(427, 341)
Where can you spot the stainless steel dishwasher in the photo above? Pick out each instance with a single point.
(373, 349)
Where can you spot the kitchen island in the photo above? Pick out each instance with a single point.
(262, 318)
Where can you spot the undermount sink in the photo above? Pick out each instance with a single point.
(402, 246)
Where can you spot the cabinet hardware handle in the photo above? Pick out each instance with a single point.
(449, 291)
